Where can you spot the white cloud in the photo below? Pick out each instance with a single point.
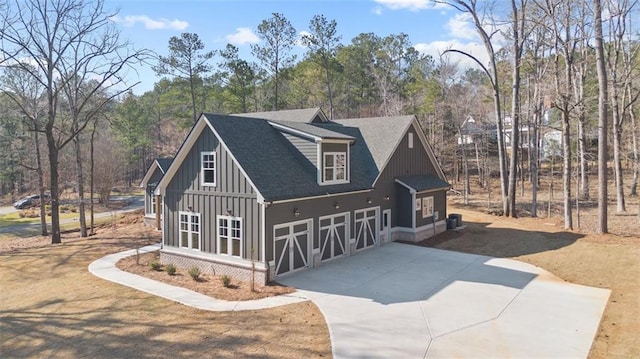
(460, 27)
(243, 35)
(377, 10)
(436, 48)
(411, 5)
(149, 23)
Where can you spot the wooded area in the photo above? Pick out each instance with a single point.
(560, 86)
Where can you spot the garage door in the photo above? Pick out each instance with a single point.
(291, 247)
(366, 224)
(334, 234)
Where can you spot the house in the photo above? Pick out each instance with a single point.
(255, 196)
(470, 133)
(152, 203)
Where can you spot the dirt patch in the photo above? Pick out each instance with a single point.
(605, 261)
(53, 307)
(207, 284)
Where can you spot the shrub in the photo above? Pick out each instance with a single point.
(226, 281)
(170, 268)
(194, 272)
(155, 265)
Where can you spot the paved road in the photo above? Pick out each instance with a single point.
(30, 229)
(402, 301)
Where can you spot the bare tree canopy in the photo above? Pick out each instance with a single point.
(66, 45)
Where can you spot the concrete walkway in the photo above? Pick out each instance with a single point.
(105, 268)
(403, 301)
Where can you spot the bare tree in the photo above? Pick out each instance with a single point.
(602, 120)
(27, 95)
(49, 39)
(620, 64)
(470, 7)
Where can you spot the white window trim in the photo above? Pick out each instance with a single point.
(214, 169)
(229, 238)
(190, 216)
(410, 139)
(427, 204)
(418, 204)
(152, 209)
(324, 167)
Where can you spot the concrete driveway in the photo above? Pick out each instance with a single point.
(403, 301)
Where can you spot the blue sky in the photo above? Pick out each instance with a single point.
(150, 24)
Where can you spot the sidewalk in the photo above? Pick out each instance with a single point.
(105, 268)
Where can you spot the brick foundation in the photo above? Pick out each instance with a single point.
(211, 266)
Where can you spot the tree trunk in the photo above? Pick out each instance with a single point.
(566, 173)
(55, 199)
(602, 121)
(80, 178)
(617, 161)
(634, 144)
(40, 173)
(91, 174)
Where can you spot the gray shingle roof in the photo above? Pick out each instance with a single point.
(315, 130)
(276, 168)
(305, 115)
(423, 182)
(381, 134)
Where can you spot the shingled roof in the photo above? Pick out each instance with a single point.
(381, 134)
(275, 167)
(305, 115)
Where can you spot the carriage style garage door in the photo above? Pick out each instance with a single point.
(366, 226)
(292, 242)
(334, 236)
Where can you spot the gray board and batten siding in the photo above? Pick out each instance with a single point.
(233, 194)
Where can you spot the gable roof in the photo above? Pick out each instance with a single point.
(421, 183)
(305, 115)
(277, 169)
(313, 131)
(159, 163)
(381, 135)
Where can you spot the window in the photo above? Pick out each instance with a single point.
(190, 230)
(335, 167)
(230, 236)
(410, 139)
(427, 207)
(153, 204)
(208, 168)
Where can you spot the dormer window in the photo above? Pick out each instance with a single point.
(334, 167)
(208, 168)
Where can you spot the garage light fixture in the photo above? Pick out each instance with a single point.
(386, 198)
(369, 200)
(296, 212)
(336, 205)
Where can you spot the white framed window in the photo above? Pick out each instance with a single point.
(334, 167)
(410, 139)
(190, 230)
(230, 236)
(153, 204)
(427, 207)
(208, 168)
(418, 204)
